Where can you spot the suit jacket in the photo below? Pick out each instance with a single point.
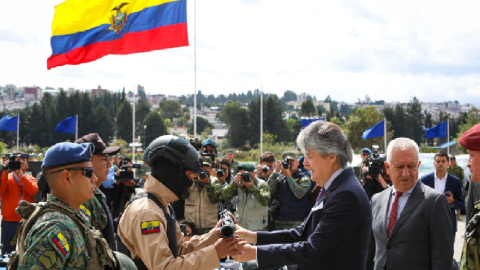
(422, 237)
(335, 235)
(454, 185)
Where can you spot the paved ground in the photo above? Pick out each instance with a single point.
(458, 239)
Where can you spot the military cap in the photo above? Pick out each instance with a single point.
(100, 147)
(207, 161)
(246, 166)
(289, 155)
(366, 149)
(63, 154)
(229, 151)
(471, 138)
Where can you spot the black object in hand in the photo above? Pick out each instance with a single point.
(246, 177)
(227, 228)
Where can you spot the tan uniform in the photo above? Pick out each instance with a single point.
(152, 247)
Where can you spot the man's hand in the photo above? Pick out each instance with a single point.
(238, 178)
(205, 180)
(259, 170)
(19, 174)
(219, 224)
(381, 181)
(450, 199)
(364, 171)
(229, 246)
(129, 183)
(249, 236)
(278, 166)
(248, 253)
(248, 185)
(286, 172)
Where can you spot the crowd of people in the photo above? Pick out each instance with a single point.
(298, 211)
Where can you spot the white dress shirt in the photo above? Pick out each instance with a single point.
(402, 201)
(440, 183)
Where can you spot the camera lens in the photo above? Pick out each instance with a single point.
(265, 169)
(202, 175)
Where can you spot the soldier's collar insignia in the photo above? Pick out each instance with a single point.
(85, 213)
(118, 20)
(61, 243)
(150, 227)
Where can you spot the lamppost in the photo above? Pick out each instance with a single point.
(115, 135)
(144, 128)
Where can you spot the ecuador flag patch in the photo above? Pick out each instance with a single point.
(150, 227)
(61, 243)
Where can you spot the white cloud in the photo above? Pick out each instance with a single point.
(345, 49)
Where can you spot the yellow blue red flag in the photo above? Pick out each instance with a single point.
(86, 30)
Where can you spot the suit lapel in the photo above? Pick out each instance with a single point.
(384, 205)
(415, 198)
(448, 184)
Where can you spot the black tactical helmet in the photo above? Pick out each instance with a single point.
(182, 156)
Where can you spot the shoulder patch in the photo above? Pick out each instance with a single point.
(61, 243)
(47, 259)
(150, 227)
(85, 213)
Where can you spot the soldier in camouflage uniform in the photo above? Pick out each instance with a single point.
(291, 188)
(95, 211)
(470, 258)
(55, 241)
(233, 162)
(253, 197)
(456, 171)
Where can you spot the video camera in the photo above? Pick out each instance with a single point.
(196, 144)
(374, 163)
(227, 228)
(125, 174)
(15, 165)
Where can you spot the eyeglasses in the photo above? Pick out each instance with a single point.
(86, 171)
(365, 154)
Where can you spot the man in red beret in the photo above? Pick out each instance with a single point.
(471, 141)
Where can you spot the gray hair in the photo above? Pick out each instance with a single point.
(401, 144)
(327, 139)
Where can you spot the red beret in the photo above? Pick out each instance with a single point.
(471, 138)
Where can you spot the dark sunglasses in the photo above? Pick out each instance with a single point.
(86, 171)
(364, 154)
(211, 151)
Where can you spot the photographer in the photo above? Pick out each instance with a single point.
(265, 165)
(124, 188)
(290, 187)
(375, 176)
(15, 186)
(253, 196)
(202, 199)
(222, 178)
(209, 149)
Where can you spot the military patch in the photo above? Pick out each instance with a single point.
(61, 243)
(47, 259)
(150, 227)
(85, 213)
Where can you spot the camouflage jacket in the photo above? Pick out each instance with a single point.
(457, 171)
(261, 194)
(93, 213)
(299, 186)
(55, 242)
(470, 259)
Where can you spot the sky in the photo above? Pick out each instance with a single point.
(389, 50)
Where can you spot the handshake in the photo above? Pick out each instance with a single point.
(234, 239)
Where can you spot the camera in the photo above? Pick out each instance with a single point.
(246, 177)
(286, 164)
(125, 174)
(196, 144)
(220, 172)
(15, 165)
(374, 163)
(202, 175)
(265, 169)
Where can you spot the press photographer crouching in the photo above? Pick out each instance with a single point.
(376, 178)
(290, 187)
(15, 186)
(124, 186)
(253, 197)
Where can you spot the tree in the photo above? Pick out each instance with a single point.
(124, 121)
(308, 109)
(155, 127)
(289, 95)
(202, 124)
(414, 121)
(170, 109)
(234, 116)
(104, 124)
(473, 118)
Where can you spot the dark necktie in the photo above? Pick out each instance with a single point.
(393, 213)
(320, 195)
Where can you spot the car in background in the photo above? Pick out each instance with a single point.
(426, 165)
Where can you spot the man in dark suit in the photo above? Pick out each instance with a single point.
(412, 225)
(336, 233)
(446, 183)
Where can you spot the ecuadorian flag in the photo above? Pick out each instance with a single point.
(150, 227)
(61, 243)
(86, 30)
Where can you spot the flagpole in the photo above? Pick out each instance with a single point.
(385, 134)
(133, 126)
(18, 130)
(261, 119)
(76, 128)
(448, 136)
(195, 69)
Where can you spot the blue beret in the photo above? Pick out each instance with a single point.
(209, 141)
(366, 150)
(62, 154)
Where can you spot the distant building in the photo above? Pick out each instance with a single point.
(99, 92)
(33, 93)
(178, 131)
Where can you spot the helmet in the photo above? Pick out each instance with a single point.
(211, 142)
(169, 157)
(124, 262)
